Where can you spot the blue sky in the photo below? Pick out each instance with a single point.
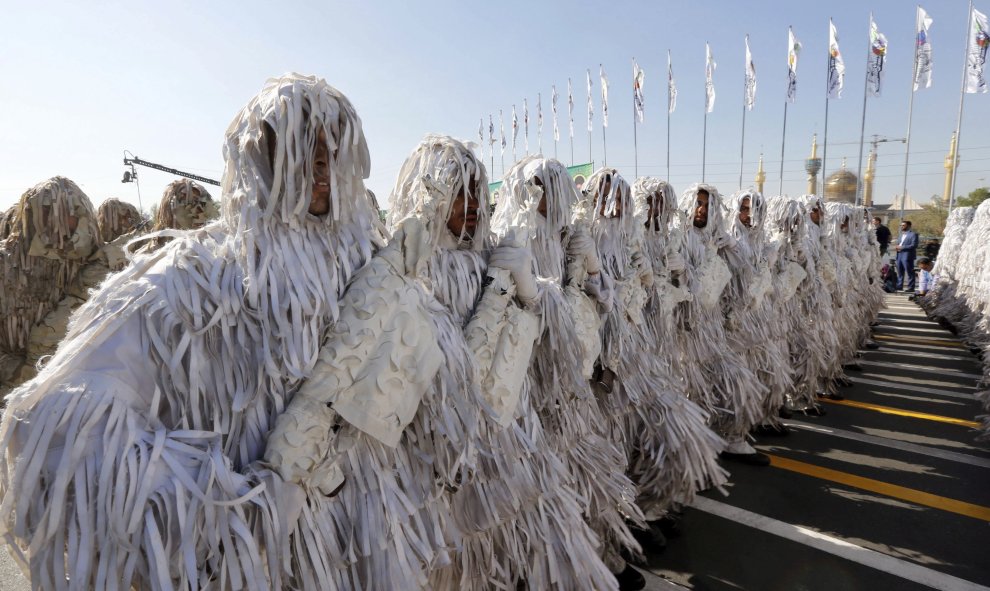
(84, 81)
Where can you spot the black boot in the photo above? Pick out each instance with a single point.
(630, 579)
(652, 538)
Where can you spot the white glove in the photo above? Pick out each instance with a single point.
(518, 261)
(644, 268)
(300, 447)
(582, 246)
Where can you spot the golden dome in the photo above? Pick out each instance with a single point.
(841, 186)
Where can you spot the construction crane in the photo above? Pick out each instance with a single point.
(131, 176)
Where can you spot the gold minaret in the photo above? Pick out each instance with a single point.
(868, 176)
(812, 165)
(951, 162)
(761, 176)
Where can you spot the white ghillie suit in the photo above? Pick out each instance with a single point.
(134, 458)
(973, 273)
(853, 293)
(516, 516)
(560, 392)
(752, 305)
(716, 374)
(54, 234)
(815, 342)
(394, 380)
(943, 301)
(116, 222)
(784, 229)
(690, 448)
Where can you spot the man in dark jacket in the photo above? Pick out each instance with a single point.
(883, 235)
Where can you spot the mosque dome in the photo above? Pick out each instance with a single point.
(841, 186)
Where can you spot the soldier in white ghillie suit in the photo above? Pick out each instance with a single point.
(53, 234)
(518, 519)
(635, 391)
(134, 459)
(752, 305)
(572, 288)
(717, 376)
(690, 448)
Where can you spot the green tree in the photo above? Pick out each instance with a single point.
(930, 221)
(974, 198)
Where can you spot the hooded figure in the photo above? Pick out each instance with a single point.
(717, 376)
(119, 222)
(631, 386)
(815, 342)
(116, 222)
(517, 517)
(55, 232)
(7, 221)
(751, 304)
(134, 459)
(689, 447)
(571, 283)
(185, 205)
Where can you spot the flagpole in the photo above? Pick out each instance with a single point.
(704, 145)
(783, 138)
(862, 123)
(907, 137)
(604, 148)
(962, 94)
(635, 141)
(828, 72)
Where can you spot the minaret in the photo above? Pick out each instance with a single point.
(812, 165)
(951, 162)
(761, 176)
(871, 162)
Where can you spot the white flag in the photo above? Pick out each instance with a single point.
(515, 130)
(638, 100)
(709, 83)
(491, 133)
(501, 130)
(671, 88)
(793, 49)
(976, 53)
(874, 65)
(923, 52)
(591, 105)
(526, 125)
(750, 79)
(836, 69)
(553, 107)
(604, 78)
(570, 107)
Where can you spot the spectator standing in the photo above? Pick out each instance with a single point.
(907, 247)
(883, 235)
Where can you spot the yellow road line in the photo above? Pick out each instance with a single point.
(889, 410)
(891, 490)
(921, 341)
